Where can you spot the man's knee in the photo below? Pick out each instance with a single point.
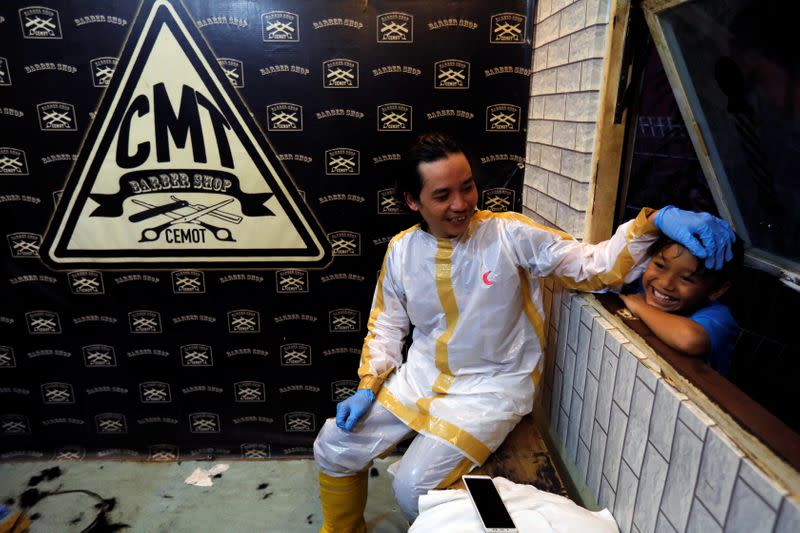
(324, 447)
(407, 487)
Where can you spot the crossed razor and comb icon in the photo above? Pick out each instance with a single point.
(104, 74)
(391, 118)
(394, 29)
(497, 201)
(284, 28)
(447, 75)
(507, 29)
(85, 284)
(10, 163)
(25, 247)
(339, 74)
(37, 23)
(198, 211)
(503, 119)
(57, 118)
(281, 118)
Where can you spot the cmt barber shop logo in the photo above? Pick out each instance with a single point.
(102, 68)
(253, 450)
(13, 162)
(56, 116)
(43, 323)
(299, 421)
(395, 28)
(280, 26)
(344, 320)
(507, 28)
(5, 72)
(342, 162)
(249, 392)
(174, 171)
(40, 23)
(24, 244)
(234, 71)
(244, 321)
(340, 74)
(57, 394)
(86, 282)
(197, 355)
(395, 117)
(284, 117)
(188, 282)
(204, 423)
(345, 243)
(163, 453)
(503, 117)
(498, 200)
(15, 425)
(144, 321)
(155, 392)
(7, 359)
(388, 203)
(295, 355)
(343, 389)
(451, 74)
(110, 423)
(99, 356)
(291, 281)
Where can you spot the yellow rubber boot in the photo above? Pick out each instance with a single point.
(343, 501)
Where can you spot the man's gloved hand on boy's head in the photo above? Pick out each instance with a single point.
(350, 410)
(704, 235)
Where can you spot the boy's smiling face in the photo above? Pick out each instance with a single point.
(671, 282)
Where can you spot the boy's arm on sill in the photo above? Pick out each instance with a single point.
(678, 332)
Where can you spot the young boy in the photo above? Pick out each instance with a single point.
(677, 299)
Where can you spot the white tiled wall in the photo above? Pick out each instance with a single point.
(569, 41)
(647, 453)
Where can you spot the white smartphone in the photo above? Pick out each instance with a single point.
(491, 509)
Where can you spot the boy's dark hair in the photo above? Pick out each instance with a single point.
(728, 272)
(427, 148)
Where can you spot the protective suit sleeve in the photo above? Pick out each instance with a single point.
(388, 326)
(586, 267)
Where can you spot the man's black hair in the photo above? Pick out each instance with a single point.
(427, 148)
(729, 271)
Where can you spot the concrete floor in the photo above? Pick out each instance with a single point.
(279, 496)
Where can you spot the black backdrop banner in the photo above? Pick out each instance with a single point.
(193, 321)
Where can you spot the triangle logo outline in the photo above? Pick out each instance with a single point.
(183, 217)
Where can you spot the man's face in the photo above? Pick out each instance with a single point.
(448, 196)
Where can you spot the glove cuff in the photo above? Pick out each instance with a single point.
(368, 391)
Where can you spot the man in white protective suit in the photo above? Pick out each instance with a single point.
(469, 282)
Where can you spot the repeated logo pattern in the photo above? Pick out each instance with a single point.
(339, 119)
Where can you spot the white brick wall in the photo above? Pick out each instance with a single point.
(569, 41)
(648, 454)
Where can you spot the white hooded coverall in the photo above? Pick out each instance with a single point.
(476, 305)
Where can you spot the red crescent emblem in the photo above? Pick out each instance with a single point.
(486, 279)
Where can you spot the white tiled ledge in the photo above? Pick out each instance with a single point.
(645, 450)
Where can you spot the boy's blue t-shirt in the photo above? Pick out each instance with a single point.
(720, 326)
(722, 330)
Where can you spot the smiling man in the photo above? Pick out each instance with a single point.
(470, 283)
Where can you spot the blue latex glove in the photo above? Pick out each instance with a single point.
(705, 235)
(350, 410)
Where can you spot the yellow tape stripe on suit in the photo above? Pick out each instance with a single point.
(423, 421)
(364, 370)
